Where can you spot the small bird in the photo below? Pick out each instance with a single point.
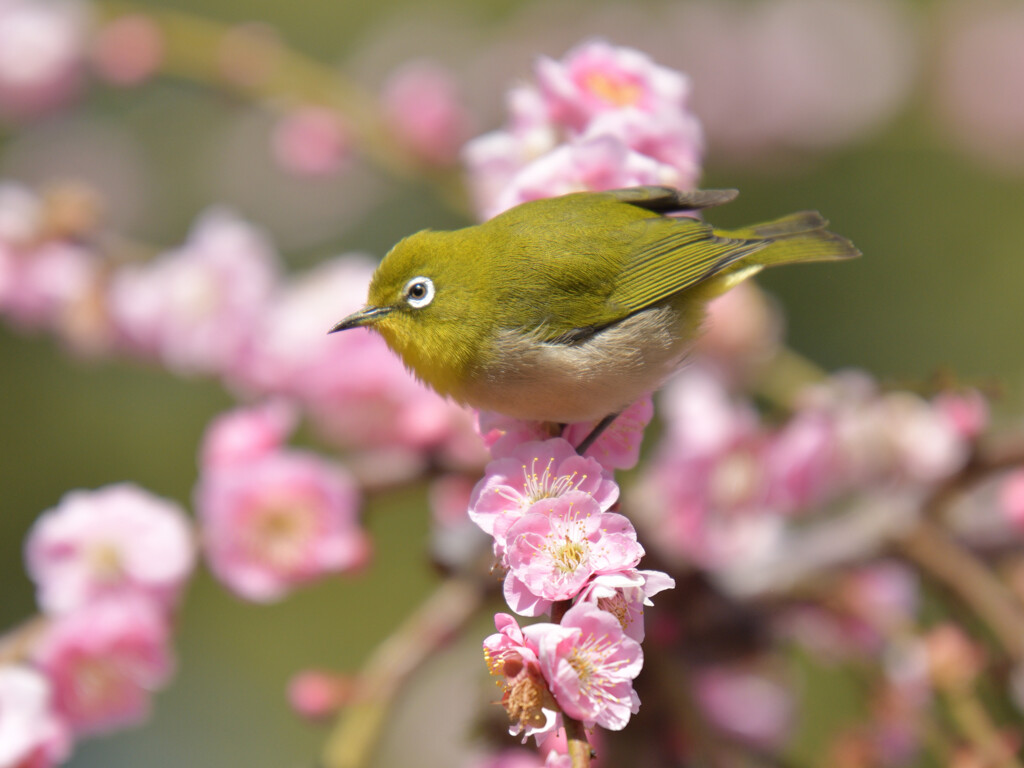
(568, 309)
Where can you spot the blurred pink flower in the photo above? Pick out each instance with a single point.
(245, 435)
(31, 735)
(596, 163)
(590, 664)
(624, 594)
(40, 284)
(128, 49)
(422, 107)
(456, 542)
(794, 74)
(311, 141)
(533, 472)
(618, 447)
(743, 331)
(104, 662)
(597, 77)
(895, 436)
(115, 541)
(1011, 498)
(196, 308)
(356, 389)
(746, 704)
(707, 489)
(802, 462)
(42, 47)
(603, 117)
(979, 80)
(318, 695)
(559, 543)
(278, 520)
(966, 410)
(885, 595)
(21, 217)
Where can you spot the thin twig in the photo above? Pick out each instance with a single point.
(939, 556)
(430, 627)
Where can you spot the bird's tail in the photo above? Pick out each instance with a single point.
(794, 238)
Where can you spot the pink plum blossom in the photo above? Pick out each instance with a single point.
(247, 434)
(559, 543)
(707, 488)
(42, 47)
(603, 117)
(512, 656)
(967, 411)
(597, 77)
(31, 734)
(357, 391)
(624, 595)
(590, 664)
(129, 49)
(743, 331)
(532, 472)
(746, 704)
(618, 447)
(311, 141)
(196, 308)
(284, 518)
(1011, 498)
(104, 662)
(40, 284)
(596, 163)
(317, 695)
(115, 541)
(422, 107)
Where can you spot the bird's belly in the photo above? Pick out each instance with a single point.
(585, 381)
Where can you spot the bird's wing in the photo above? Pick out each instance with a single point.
(672, 200)
(672, 254)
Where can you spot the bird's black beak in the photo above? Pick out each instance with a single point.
(365, 316)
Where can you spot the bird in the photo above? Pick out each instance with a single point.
(568, 309)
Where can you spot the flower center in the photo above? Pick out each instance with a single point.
(105, 562)
(567, 554)
(618, 91)
(280, 532)
(545, 485)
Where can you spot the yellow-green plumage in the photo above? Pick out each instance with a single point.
(569, 308)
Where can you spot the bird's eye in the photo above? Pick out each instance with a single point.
(419, 292)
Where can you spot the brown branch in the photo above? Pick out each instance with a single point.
(579, 749)
(358, 728)
(941, 557)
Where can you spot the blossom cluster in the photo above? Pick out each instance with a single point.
(109, 566)
(602, 117)
(558, 542)
(272, 517)
(722, 487)
(219, 305)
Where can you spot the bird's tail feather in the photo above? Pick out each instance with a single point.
(798, 237)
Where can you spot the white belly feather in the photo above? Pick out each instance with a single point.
(587, 380)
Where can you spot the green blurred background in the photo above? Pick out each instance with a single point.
(939, 289)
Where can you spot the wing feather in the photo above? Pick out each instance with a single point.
(676, 254)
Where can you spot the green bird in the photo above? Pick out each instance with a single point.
(569, 308)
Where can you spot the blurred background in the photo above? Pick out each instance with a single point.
(902, 122)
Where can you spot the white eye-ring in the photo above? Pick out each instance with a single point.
(419, 292)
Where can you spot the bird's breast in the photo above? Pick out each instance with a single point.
(530, 379)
